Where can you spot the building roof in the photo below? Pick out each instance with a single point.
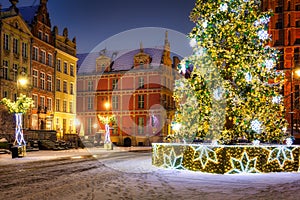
(122, 60)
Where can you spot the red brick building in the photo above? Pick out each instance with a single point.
(138, 85)
(42, 67)
(285, 30)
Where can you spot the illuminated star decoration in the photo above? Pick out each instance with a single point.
(172, 161)
(223, 7)
(205, 155)
(248, 77)
(276, 100)
(263, 34)
(243, 165)
(218, 93)
(281, 154)
(193, 42)
(269, 64)
(155, 151)
(256, 126)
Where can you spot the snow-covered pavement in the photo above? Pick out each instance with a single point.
(120, 174)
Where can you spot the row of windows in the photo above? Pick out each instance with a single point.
(41, 56)
(66, 70)
(16, 46)
(64, 106)
(44, 37)
(65, 87)
(10, 74)
(42, 81)
(42, 103)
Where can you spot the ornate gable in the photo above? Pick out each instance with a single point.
(141, 59)
(103, 63)
(18, 23)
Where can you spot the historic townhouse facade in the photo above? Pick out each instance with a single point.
(285, 30)
(15, 59)
(136, 87)
(30, 48)
(42, 68)
(65, 84)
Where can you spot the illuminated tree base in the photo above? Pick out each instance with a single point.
(227, 159)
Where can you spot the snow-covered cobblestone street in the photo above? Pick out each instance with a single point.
(119, 174)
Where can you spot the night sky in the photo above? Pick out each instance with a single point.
(93, 21)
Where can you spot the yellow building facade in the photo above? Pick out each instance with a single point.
(15, 59)
(65, 84)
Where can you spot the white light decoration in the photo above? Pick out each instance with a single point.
(284, 129)
(248, 77)
(172, 161)
(204, 24)
(269, 64)
(262, 20)
(193, 42)
(214, 142)
(206, 154)
(176, 126)
(276, 100)
(243, 165)
(223, 7)
(256, 126)
(281, 154)
(263, 34)
(218, 93)
(289, 141)
(255, 142)
(182, 67)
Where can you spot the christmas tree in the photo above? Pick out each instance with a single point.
(233, 89)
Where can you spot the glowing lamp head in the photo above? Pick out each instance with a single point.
(297, 71)
(107, 105)
(22, 81)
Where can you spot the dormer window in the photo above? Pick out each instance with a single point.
(141, 65)
(40, 34)
(16, 24)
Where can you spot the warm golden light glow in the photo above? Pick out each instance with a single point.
(22, 81)
(297, 71)
(107, 105)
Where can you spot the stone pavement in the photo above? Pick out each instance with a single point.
(42, 155)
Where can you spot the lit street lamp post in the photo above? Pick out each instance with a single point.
(106, 120)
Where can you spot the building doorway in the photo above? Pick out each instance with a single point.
(127, 142)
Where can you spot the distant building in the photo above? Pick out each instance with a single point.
(137, 84)
(30, 48)
(285, 30)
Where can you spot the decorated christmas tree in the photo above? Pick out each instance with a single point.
(233, 88)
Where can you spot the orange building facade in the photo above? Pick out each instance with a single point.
(138, 87)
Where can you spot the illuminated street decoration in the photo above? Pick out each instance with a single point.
(226, 159)
(243, 165)
(173, 161)
(205, 154)
(281, 154)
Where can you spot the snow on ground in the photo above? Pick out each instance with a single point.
(129, 176)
